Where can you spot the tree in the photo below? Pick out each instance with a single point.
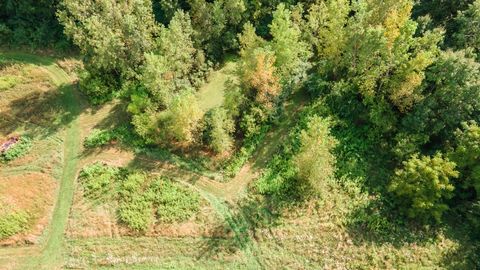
(219, 129)
(467, 155)
(468, 34)
(168, 67)
(423, 185)
(325, 29)
(315, 162)
(291, 53)
(181, 121)
(112, 35)
(452, 96)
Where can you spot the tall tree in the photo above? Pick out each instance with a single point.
(112, 35)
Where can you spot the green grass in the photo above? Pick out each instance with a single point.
(211, 94)
(7, 82)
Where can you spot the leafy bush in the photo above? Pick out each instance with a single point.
(124, 134)
(174, 203)
(12, 223)
(98, 87)
(7, 82)
(423, 184)
(135, 207)
(20, 149)
(98, 179)
(99, 138)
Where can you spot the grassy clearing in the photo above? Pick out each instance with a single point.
(211, 94)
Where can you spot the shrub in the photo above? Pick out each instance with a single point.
(124, 134)
(12, 223)
(423, 184)
(98, 179)
(20, 149)
(99, 87)
(98, 138)
(174, 202)
(315, 162)
(135, 206)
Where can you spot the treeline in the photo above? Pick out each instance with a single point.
(404, 77)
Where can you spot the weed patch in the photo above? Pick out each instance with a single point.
(12, 222)
(142, 200)
(20, 149)
(7, 82)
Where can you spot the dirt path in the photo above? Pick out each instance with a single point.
(49, 254)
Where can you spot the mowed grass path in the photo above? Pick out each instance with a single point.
(50, 255)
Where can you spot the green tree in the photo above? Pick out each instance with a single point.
(467, 155)
(219, 129)
(112, 35)
(291, 52)
(452, 96)
(315, 162)
(325, 29)
(423, 185)
(468, 33)
(181, 121)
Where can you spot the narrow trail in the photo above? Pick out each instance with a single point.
(48, 254)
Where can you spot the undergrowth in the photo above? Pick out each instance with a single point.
(12, 222)
(142, 199)
(18, 150)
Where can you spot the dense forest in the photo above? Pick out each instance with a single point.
(386, 94)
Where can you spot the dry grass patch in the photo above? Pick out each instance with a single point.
(33, 194)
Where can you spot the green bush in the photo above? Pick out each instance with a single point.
(98, 138)
(98, 180)
(135, 205)
(123, 134)
(174, 202)
(20, 149)
(423, 184)
(12, 223)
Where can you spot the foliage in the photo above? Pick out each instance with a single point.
(98, 180)
(314, 161)
(135, 204)
(468, 23)
(467, 155)
(124, 134)
(291, 53)
(453, 96)
(174, 203)
(12, 222)
(19, 149)
(423, 185)
(218, 130)
(31, 23)
(180, 122)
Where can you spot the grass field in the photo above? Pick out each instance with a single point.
(235, 227)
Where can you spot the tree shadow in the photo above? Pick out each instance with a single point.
(40, 114)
